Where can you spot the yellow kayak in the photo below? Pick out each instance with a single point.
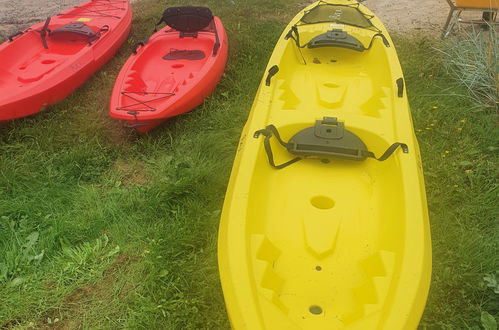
(325, 222)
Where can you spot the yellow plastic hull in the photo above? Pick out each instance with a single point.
(344, 245)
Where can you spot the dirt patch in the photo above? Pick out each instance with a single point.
(120, 135)
(104, 292)
(132, 172)
(399, 17)
(11, 324)
(404, 16)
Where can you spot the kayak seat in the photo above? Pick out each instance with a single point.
(187, 19)
(185, 54)
(336, 38)
(328, 138)
(76, 31)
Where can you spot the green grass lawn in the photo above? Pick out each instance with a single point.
(101, 228)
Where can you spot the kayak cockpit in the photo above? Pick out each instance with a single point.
(326, 240)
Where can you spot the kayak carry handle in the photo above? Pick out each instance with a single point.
(11, 37)
(140, 44)
(216, 46)
(400, 87)
(272, 71)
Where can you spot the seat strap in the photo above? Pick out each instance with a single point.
(268, 132)
(391, 149)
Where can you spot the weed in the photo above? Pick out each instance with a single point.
(473, 60)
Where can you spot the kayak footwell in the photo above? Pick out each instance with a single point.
(324, 253)
(367, 279)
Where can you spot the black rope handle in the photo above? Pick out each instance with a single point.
(216, 46)
(140, 44)
(97, 35)
(268, 132)
(11, 37)
(391, 149)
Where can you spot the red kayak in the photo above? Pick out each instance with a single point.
(173, 71)
(46, 62)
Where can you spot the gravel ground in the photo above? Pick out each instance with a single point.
(401, 16)
(16, 15)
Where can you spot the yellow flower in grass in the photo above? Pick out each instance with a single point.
(468, 171)
(434, 107)
(462, 121)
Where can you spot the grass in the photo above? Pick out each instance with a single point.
(458, 140)
(100, 228)
(474, 61)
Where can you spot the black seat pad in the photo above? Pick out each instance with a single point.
(185, 54)
(187, 19)
(75, 29)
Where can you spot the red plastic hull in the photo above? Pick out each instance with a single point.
(33, 77)
(150, 89)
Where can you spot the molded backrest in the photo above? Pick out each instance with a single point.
(187, 19)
